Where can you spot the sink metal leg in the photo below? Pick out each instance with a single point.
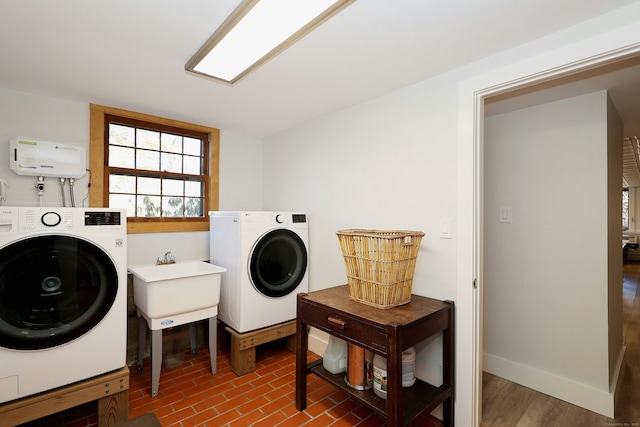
(156, 360)
(142, 341)
(213, 343)
(193, 338)
(156, 348)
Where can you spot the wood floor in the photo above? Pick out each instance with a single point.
(508, 404)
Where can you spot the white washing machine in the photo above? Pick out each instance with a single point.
(63, 296)
(266, 255)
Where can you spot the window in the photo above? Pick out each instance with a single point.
(625, 209)
(163, 172)
(155, 171)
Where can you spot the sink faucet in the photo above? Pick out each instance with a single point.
(167, 259)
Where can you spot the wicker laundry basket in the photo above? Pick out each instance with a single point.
(380, 265)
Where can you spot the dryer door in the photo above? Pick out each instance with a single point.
(277, 263)
(53, 289)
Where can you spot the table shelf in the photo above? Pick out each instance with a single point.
(420, 397)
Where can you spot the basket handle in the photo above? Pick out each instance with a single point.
(408, 241)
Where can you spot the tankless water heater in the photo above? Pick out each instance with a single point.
(43, 158)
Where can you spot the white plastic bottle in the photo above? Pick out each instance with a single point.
(408, 367)
(380, 376)
(334, 358)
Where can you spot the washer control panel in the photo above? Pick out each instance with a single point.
(45, 219)
(14, 220)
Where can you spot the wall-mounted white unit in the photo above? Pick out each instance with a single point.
(43, 158)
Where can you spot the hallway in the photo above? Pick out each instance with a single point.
(506, 404)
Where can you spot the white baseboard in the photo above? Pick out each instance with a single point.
(318, 341)
(617, 375)
(579, 394)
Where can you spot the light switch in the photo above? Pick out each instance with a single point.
(445, 228)
(505, 214)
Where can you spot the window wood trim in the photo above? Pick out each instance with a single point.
(97, 191)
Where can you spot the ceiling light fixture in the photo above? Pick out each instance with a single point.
(256, 31)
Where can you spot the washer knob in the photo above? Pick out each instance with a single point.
(279, 220)
(51, 219)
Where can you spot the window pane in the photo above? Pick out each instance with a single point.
(121, 135)
(149, 185)
(123, 201)
(193, 207)
(171, 143)
(149, 160)
(122, 184)
(172, 206)
(193, 188)
(120, 157)
(148, 206)
(171, 163)
(149, 139)
(192, 146)
(192, 165)
(172, 187)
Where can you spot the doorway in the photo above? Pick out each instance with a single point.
(470, 163)
(548, 264)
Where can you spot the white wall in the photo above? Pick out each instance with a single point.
(547, 272)
(240, 172)
(387, 164)
(52, 119)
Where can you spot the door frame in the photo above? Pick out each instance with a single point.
(588, 53)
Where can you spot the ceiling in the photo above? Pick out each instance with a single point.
(131, 54)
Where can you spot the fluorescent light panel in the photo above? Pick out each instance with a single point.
(256, 31)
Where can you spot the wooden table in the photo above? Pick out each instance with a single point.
(111, 390)
(386, 332)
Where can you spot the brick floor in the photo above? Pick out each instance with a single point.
(190, 396)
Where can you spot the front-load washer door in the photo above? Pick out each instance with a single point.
(278, 263)
(53, 289)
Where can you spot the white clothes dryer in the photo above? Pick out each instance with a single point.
(266, 255)
(63, 296)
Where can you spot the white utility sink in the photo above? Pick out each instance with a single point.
(170, 289)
